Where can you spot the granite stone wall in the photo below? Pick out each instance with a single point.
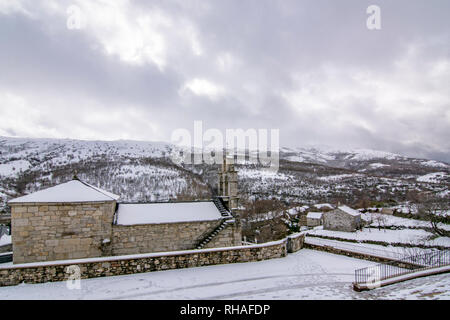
(169, 237)
(230, 236)
(56, 231)
(113, 266)
(295, 242)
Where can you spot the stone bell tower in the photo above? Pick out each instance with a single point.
(228, 183)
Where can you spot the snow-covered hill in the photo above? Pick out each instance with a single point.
(143, 171)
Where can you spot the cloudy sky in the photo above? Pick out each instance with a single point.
(141, 69)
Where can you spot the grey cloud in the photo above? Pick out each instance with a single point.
(272, 42)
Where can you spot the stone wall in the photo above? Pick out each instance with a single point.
(55, 231)
(113, 266)
(169, 237)
(230, 236)
(295, 242)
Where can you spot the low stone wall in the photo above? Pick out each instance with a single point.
(358, 255)
(131, 264)
(295, 242)
(346, 253)
(381, 243)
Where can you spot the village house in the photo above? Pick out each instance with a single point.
(77, 220)
(314, 219)
(343, 218)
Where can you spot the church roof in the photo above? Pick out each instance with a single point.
(168, 212)
(71, 191)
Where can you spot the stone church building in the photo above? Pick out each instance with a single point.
(77, 220)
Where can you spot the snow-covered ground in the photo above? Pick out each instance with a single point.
(5, 239)
(399, 222)
(306, 274)
(339, 177)
(389, 252)
(13, 168)
(434, 177)
(407, 236)
(378, 165)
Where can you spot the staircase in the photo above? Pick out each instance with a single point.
(227, 217)
(222, 208)
(205, 240)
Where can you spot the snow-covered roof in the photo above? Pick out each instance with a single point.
(322, 205)
(314, 215)
(170, 212)
(72, 191)
(349, 210)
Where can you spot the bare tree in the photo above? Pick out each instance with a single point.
(381, 220)
(433, 210)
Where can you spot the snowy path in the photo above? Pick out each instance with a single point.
(307, 274)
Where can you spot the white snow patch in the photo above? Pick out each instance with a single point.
(314, 215)
(5, 239)
(378, 165)
(433, 163)
(434, 177)
(147, 213)
(71, 191)
(339, 177)
(14, 168)
(323, 205)
(349, 210)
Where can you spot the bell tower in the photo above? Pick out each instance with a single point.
(228, 183)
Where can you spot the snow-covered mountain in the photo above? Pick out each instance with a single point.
(143, 171)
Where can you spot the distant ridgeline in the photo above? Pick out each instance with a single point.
(143, 172)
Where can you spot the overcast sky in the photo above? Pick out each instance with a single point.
(141, 69)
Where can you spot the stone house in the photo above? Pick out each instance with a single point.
(314, 219)
(77, 220)
(342, 218)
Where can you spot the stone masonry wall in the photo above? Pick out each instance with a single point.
(295, 242)
(165, 237)
(55, 231)
(230, 236)
(113, 266)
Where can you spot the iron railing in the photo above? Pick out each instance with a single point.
(395, 268)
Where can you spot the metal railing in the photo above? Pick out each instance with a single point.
(383, 271)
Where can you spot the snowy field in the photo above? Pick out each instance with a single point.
(406, 236)
(399, 222)
(307, 274)
(5, 239)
